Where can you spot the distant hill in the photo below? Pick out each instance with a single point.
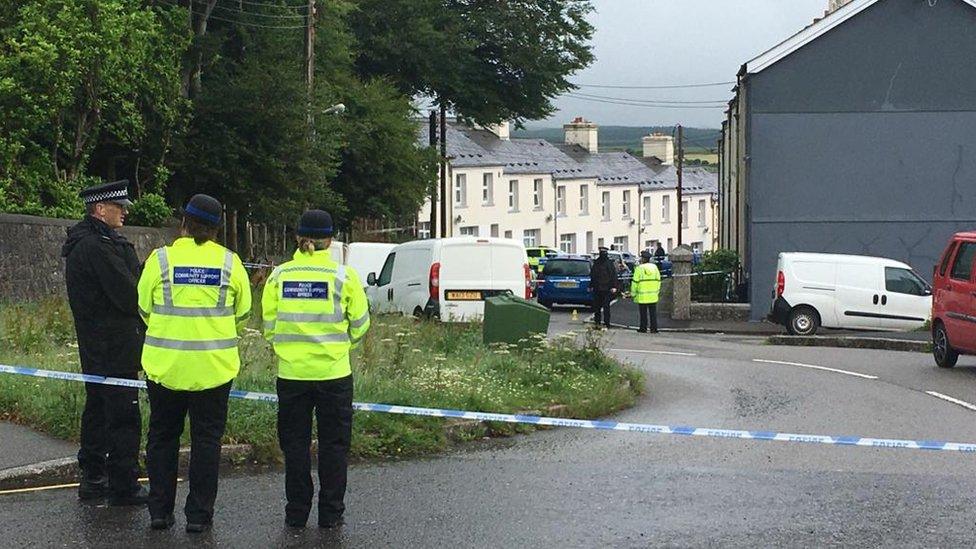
(629, 137)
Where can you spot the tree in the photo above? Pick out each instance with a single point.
(488, 60)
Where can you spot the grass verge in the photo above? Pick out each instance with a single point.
(401, 361)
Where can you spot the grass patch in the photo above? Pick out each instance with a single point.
(402, 361)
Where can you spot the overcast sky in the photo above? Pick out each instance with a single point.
(676, 42)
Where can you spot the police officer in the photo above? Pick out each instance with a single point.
(195, 297)
(101, 270)
(603, 282)
(315, 311)
(644, 288)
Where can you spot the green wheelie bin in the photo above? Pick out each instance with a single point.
(508, 319)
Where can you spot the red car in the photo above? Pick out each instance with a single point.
(954, 301)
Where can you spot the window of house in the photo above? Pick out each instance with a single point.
(494, 230)
(625, 207)
(619, 244)
(460, 190)
(561, 200)
(589, 242)
(666, 210)
(471, 230)
(684, 214)
(513, 195)
(599, 243)
(605, 205)
(584, 199)
(701, 213)
(670, 245)
(488, 189)
(423, 230)
(567, 243)
(646, 210)
(508, 235)
(537, 194)
(530, 237)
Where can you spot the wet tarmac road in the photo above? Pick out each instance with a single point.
(579, 488)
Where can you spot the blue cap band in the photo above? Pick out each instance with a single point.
(314, 231)
(197, 212)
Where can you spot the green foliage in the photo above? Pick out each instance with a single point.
(26, 327)
(150, 210)
(711, 288)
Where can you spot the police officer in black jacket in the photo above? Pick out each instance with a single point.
(101, 272)
(603, 282)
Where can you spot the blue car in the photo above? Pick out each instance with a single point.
(565, 279)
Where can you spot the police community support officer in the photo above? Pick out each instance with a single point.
(645, 288)
(101, 270)
(603, 282)
(315, 311)
(195, 297)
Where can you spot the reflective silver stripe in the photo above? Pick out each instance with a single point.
(359, 322)
(337, 292)
(310, 317)
(225, 277)
(301, 338)
(183, 345)
(193, 311)
(164, 271)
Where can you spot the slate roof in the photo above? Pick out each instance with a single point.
(471, 147)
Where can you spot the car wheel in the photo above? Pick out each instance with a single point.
(945, 355)
(803, 321)
(418, 312)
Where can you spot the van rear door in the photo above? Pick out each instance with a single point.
(508, 268)
(465, 278)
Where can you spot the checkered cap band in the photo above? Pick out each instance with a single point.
(109, 195)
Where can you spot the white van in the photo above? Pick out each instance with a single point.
(848, 291)
(449, 278)
(367, 257)
(337, 250)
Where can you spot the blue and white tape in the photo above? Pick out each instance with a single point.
(551, 421)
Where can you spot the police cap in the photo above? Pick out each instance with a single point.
(116, 192)
(315, 224)
(205, 209)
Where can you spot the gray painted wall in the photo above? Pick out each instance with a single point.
(863, 141)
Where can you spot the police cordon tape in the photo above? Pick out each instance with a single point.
(600, 425)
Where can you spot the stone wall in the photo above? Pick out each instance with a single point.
(31, 266)
(720, 311)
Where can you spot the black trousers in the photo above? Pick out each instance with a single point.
(331, 402)
(648, 311)
(208, 417)
(601, 306)
(111, 428)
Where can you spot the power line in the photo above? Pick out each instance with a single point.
(235, 21)
(649, 101)
(668, 87)
(267, 5)
(257, 14)
(645, 104)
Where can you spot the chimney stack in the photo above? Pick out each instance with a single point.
(583, 133)
(659, 145)
(501, 130)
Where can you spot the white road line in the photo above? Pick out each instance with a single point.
(948, 398)
(675, 353)
(835, 370)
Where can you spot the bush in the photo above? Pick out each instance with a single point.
(711, 288)
(149, 211)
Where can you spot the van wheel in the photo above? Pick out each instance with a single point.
(418, 313)
(803, 321)
(945, 355)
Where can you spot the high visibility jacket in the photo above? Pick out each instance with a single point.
(315, 311)
(646, 284)
(195, 299)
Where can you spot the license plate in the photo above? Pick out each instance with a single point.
(459, 295)
(566, 284)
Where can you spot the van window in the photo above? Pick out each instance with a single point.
(387, 273)
(945, 260)
(534, 252)
(962, 268)
(904, 281)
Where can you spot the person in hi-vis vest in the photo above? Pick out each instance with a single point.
(195, 297)
(314, 311)
(645, 288)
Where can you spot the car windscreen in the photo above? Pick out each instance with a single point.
(562, 267)
(534, 253)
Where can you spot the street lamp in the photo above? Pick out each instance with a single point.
(338, 108)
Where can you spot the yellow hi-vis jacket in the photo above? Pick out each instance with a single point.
(315, 311)
(646, 284)
(194, 299)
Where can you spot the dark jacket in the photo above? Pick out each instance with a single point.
(603, 275)
(101, 272)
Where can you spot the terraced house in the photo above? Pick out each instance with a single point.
(571, 196)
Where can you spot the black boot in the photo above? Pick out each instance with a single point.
(163, 523)
(138, 496)
(92, 487)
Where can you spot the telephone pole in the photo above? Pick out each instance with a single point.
(432, 135)
(681, 161)
(310, 47)
(444, 190)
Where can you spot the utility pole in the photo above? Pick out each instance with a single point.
(681, 161)
(310, 47)
(432, 135)
(444, 190)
